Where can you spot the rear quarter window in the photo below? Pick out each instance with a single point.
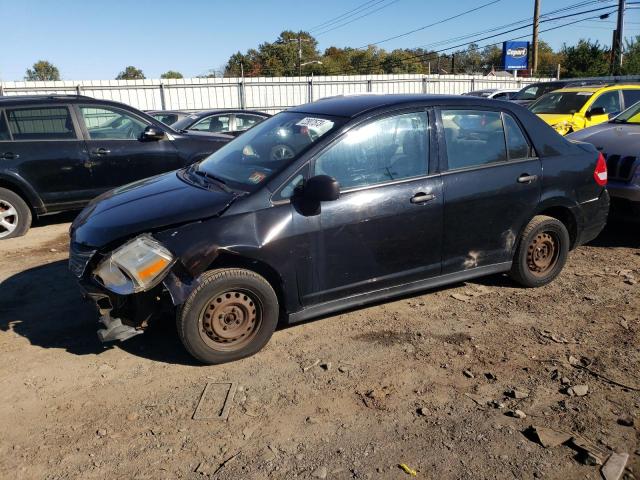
(4, 128)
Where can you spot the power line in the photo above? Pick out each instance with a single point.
(466, 12)
(371, 12)
(423, 55)
(340, 17)
(542, 16)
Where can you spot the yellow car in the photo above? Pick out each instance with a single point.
(571, 109)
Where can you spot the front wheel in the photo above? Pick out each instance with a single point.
(230, 315)
(541, 253)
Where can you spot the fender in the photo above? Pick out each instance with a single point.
(15, 182)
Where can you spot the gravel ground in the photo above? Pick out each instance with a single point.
(437, 382)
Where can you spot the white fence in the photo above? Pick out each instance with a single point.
(268, 94)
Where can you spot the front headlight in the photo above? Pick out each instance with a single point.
(136, 266)
(563, 128)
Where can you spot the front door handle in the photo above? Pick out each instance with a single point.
(422, 197)
(101, 151)
(526, 178)
(9, 156)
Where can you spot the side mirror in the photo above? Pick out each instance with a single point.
(596, 111)
(152, 133)
(321, 188)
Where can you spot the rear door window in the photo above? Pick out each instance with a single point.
(41, 123)
(473, 138)
(245, 121)
(214, 123)
(631, 97)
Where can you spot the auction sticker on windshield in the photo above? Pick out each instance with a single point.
(313, 122)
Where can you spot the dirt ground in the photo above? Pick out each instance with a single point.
(425, 381)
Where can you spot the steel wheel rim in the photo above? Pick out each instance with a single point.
(282, 152)
(230, 320)
(542, 253)
(8, 218)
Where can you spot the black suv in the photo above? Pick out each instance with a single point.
(333, 205)
(59, 152)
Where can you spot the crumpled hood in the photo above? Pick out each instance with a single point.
(611, 138)
(553, 118)
(144, 206)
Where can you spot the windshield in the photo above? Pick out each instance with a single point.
(561, 102)
(532, 92)
(185, 122)
(264, 150)
(630, 115)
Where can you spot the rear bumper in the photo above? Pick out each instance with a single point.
(594, 218)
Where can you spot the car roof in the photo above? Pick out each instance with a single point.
(354, 105)
(8, 100)
(202, 113)
(593, 89)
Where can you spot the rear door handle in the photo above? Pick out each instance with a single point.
(526, 178)
(422, 197)
(89, 164)
(101, 151)
(9, 156)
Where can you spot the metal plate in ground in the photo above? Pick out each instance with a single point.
(215, 401)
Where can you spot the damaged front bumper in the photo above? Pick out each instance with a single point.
(127, 315)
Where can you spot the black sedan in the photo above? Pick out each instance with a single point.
(230, 122)
(333, 205)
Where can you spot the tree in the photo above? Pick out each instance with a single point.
(631, 59)
(42, 70)
(586, 59)
(131, 73)
(170, 74)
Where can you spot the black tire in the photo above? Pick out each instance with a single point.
(542, 252)
(17, 224)
(240, 302)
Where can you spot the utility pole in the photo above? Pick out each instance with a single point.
(618, 36)
(536, 23)
(299, 56)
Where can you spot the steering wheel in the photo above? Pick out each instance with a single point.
(131, 133)
(282, 152)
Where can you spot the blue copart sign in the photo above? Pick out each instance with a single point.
(515, 55)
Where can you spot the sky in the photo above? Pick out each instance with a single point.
(93, 40)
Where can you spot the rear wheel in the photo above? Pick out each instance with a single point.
(541, 253)
(15, 216)
(230, 315)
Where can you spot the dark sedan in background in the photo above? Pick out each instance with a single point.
(57, 152)
(619, 141)
(230, 122)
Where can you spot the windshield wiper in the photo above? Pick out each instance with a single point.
(617, 120)
(217, 180)
(193, 169)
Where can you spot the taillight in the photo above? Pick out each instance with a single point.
(600, 173)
